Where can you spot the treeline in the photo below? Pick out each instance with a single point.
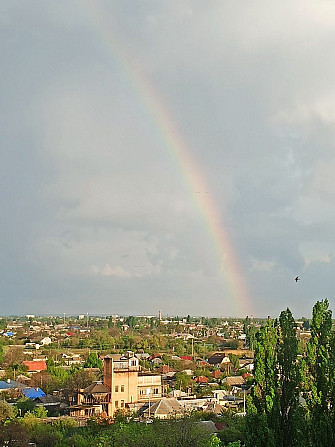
(292, 402)
(185, 432)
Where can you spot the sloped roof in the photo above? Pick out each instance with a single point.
(96, 387)
(12, 384)
(38, 365)
(115, 357)
(216, 358)
(166, 406)
(201, 379)
(33, 393)
(48, 400)
(234, 380)
(209, 425)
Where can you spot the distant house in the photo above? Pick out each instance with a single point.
(35, 366)
(157, 361)
(219, 359)
(163, 409)
(201, 380)
(50, 403)
(92, 401)
(33, 393)
(46, 341)
(24, 379)
(164, 369)
(216, 374)
(142, 355)
(10, 385)
(234, 381)
(9, 334)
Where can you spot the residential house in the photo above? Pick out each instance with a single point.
(220, 360)
(165, 408)
(92, 401)
(236, 381)
(35, 366)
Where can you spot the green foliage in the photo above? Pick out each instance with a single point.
(273, 409)
(183, 381)
(319, 376)
(40, 412)
(6, 411)
(13, 434)
(234, 360)
(24, 405)
(45, 435)
(93, 361)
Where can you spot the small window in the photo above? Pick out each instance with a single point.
(122, 388)
(116, 403)
(116, 388)
(122, 403)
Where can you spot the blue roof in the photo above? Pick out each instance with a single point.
(7, 386)
(33, 393)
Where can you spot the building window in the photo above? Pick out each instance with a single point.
(133, 363)
(155, 390)
(116, 388)
(122, 403)
(122, 388)
(116, 403)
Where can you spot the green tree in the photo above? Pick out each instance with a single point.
(318, 378)
(14, 434)
(234, 360)
(93, 361)
(6, 411)
(24, 405)
(183, 381)
(263, 408)
(289, 378)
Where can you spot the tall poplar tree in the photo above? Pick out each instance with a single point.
(291, 429)
(262, 408)
(319, 376)
(274, 417)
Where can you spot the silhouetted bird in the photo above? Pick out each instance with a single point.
(297, 279)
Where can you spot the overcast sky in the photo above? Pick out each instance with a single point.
(97, 214)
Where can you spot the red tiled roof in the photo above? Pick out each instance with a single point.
(186, 357)
(35, 366)
(201, 379)
(216, 374)
(166, 369)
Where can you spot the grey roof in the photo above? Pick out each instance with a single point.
(48, 400)
(96, 387)
(209, 425)
(165, 406)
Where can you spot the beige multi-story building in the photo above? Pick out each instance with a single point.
(127, 384)
(149, 387)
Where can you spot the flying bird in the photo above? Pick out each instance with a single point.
(297, 279)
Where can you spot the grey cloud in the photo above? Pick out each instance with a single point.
(88, 183)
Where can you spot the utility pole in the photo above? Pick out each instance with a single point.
(148, 393)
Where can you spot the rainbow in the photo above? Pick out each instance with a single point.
(167, 130)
